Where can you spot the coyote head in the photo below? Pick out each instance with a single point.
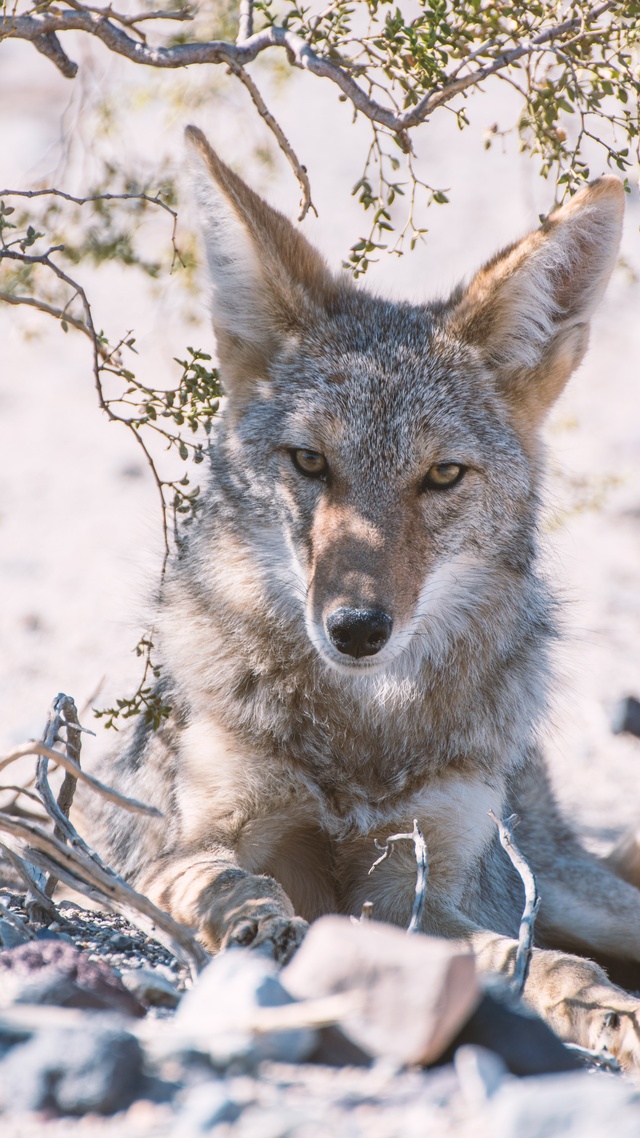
(393, 447)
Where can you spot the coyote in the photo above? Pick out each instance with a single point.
(356, 633)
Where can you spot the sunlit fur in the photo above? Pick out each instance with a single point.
(283, 758)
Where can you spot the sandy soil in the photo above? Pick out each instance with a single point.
(79, 534)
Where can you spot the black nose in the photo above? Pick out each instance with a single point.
(359, 632)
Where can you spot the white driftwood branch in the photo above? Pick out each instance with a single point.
(36, 897)
(36, 748)
(531, 903)
(422, 861)
(16, 921)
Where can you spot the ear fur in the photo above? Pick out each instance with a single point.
(527, 310)
(266, 277)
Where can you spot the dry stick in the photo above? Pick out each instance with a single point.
(531, 904)
(35, 748)
(26, 872)
(299, 170)
(63, 714)
(82, 873)
(33, 903)
(52, 192)
(422, 860)
(16, 921)
(245, 24)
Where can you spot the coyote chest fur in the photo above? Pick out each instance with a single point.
(356, 634)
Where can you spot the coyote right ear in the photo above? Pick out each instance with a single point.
(266, 277)
(527, 311)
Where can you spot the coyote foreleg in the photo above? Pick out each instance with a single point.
(572, 994)
(226, 904)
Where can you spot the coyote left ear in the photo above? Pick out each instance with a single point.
(266, 277)
(527, 311)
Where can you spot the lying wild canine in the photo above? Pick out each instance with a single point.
(356, 633)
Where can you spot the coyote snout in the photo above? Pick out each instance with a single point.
(364, 579)
(359, 632)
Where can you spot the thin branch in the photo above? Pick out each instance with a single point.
(63, 713)
(50, 309)
(50, 46)
(422, 861)
(245, 26)
(532, 900)
(22, 790)
(44, 259)
(299, 170)
(36, 748)
(32, 878)
(17, 922)
(150, 199)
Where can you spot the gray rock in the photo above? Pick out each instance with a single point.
(119, 942)
(10, 936)
(204, 1107)
(480, 1073)
(53, 972)
(97, 1067)
(406, 997)
(586, 1105)
(217, 1014)
(150, 987)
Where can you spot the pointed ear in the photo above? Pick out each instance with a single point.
(266, 277)
(528, 310)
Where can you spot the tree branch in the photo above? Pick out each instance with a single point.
(532, 900)
(422, 861)
(299, 170)
(35, 748)
(100, 24)
(245, 28)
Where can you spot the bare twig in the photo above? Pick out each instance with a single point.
(602, 1059)
(299, 170)
(245, 26)
(16, 921)
(422, 860)
(33, 883)
(63, 714)
(50, 310)
(35, 748)
(150, 199)
(532, 900)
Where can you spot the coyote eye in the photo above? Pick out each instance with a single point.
(443, 475)
(310, 463)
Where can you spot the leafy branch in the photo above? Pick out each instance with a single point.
(575, 63)
(181, 417)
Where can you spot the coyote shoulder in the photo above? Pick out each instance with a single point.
(356, 634)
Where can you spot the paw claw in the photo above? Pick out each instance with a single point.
(277, 937)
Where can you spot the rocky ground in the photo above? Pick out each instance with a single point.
(103, 1033)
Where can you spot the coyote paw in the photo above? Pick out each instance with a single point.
(278, 937)
(617, 1029)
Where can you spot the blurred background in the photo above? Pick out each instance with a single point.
(80, 535)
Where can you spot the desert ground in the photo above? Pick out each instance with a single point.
(79, 524)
